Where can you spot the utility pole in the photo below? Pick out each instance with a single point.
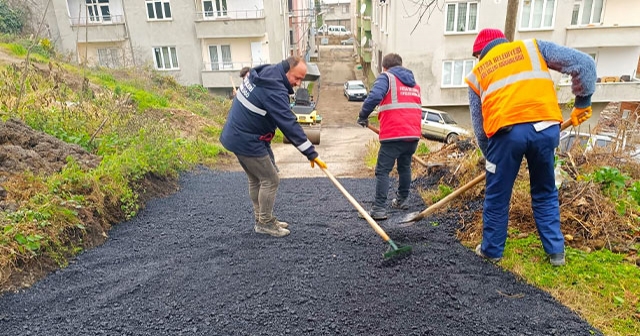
(510, 22)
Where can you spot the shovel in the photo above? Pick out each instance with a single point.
(412, 218)
(394, 250)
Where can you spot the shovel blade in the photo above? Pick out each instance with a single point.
(410, 219)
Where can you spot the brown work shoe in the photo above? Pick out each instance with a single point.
(272, 230)
(283, 225)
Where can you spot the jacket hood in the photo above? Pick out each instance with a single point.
(404, 75)
(492, 44)
(270, 76)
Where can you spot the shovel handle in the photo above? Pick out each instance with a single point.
(360, 209)
(419, 160)
(434, 207)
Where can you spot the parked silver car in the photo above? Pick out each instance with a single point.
(355, 90)
(439, 125)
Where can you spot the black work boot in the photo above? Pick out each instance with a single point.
(376, 213)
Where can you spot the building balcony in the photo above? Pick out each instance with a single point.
(598, 36)
(112, 30)
(605, 92)
(220, 75)
(233, 24)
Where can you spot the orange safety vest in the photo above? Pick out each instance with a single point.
(400, 112)
(515, 86)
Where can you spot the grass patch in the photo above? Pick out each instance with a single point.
(371, 156)
(133, 123)
(601, 286)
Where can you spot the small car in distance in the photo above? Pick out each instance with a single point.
(355, 90)
(440, 126)
(348, 41)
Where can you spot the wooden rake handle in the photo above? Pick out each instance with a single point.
(360, 209)
(416, 158)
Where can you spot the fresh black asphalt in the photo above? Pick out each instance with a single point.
(190, 264)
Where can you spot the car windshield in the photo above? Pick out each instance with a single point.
(356, 86)
(447, 119)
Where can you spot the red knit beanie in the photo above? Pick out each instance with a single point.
(484, 37)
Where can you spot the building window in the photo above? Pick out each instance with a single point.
(220, 57)
(98, 10)
(587, 12)
(537, 14)
(215, 8)
(462, 17)
(158, 9)
(454, 72)
(345, 9)
(166, 58)
(109, 58)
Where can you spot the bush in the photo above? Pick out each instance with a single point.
(11, 19)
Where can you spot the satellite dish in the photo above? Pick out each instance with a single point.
(364, 41)
(363, 8)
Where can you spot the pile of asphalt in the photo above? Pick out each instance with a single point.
(190, 264)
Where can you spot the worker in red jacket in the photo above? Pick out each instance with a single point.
(397, 96)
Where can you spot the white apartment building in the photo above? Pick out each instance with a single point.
(437, 46)
(196, 41)
(337, 13)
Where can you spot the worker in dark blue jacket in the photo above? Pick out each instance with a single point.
(261, 106)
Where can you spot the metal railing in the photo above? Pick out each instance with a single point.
(96, 20)
(230, 66)
(233, 15)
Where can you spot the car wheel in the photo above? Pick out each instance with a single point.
(452, 137)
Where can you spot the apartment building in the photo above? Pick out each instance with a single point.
(436, 42)
(302, 18)
(337, 13)
(196, 41)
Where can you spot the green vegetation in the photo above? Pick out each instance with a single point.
(601, 286)
(12, 20)
(135, 123)
(422, 149)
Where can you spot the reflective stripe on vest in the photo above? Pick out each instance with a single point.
(393, 89)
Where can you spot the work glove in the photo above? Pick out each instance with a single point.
(364, 122)
(319, 162)
(580, 115)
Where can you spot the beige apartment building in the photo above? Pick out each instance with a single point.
(437, 46)
(196, 41)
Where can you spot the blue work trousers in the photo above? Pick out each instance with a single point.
(504, 156)
(389, 153)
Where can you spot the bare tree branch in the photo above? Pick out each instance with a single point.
(422, 8)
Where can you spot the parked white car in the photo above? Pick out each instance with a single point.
(439, 125)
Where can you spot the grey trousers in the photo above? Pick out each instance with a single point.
(263, 185)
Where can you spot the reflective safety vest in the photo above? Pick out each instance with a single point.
(400, 112)
(515, 86)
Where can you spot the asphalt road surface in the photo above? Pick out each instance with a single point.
(190, 264)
